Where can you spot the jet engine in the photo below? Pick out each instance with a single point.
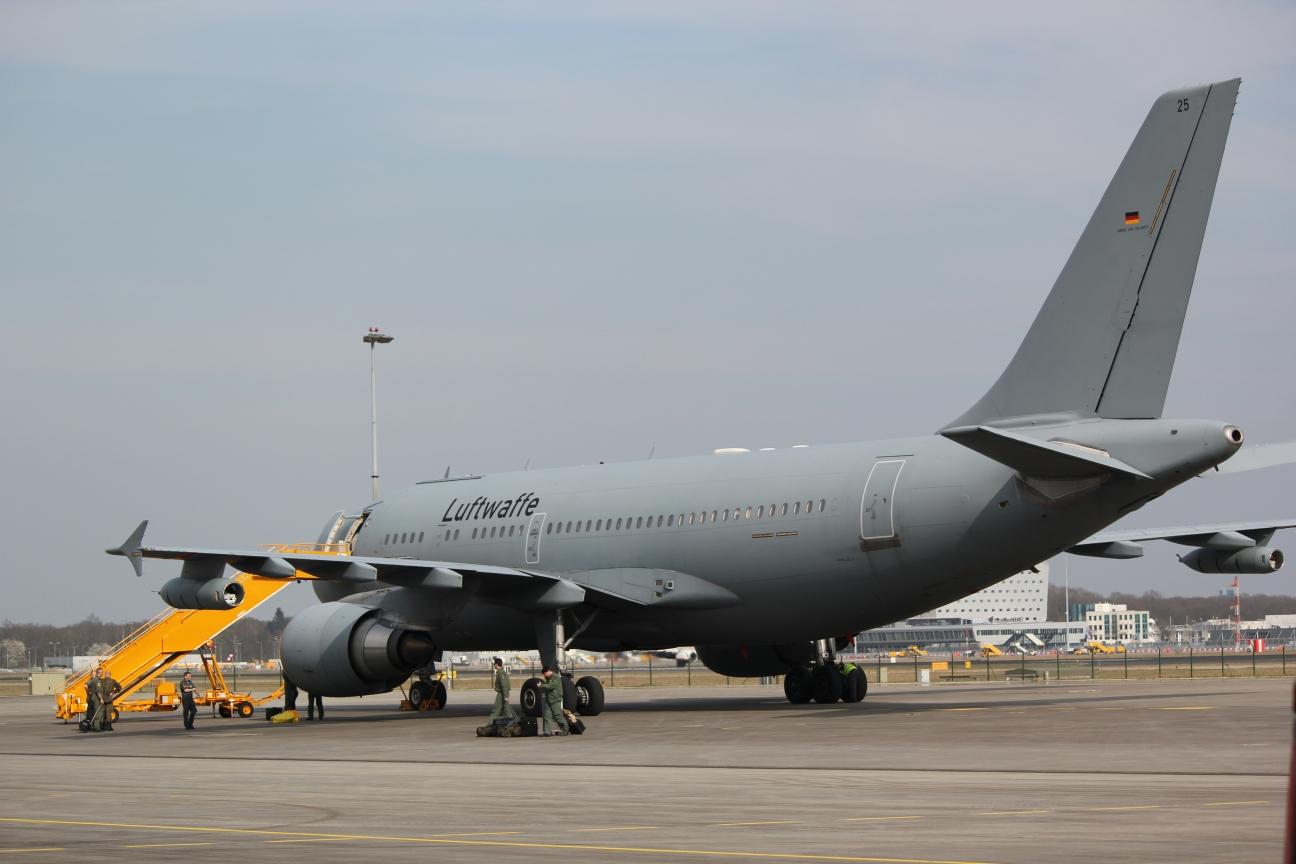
(185, 593)
(1255, 559)
(753, 661)
(344, 649)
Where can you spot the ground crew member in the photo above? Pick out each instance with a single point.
(290, 694)
(108, 691)
(503, 687)
(92, 702)
(552, 706)
(313, 700)
(188, 702)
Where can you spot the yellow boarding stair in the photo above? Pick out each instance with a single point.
(173, 633)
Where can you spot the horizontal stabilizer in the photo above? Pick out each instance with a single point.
(1037, 458)
(1256, 458)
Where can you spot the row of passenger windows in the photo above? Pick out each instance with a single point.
(626, 523)
(672, 520)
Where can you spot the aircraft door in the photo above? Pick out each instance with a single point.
(877, 508)
(534, 530)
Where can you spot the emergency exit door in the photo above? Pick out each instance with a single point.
(877, 509)
(534, 530)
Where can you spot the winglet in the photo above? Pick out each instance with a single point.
(130, 548)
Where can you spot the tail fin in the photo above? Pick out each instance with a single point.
(1105, 341)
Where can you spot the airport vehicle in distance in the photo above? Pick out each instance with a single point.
(764, 560)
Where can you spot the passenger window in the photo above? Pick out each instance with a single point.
(599, 525)
(618, 527)
(747, 513)
(822, 505)
(679, 520)
(577, 526)
(587, 525)
(713, 517)
(474, 534)
(737, 513)
(783, 511)
(420, 536)
(691, 518)
(760, 511)
(386, 539)
(639, 522)
(568, 529)
(456, 534)
(724, 516)
(809, 507)
(796, 508)
(660, 519)
(549, 528)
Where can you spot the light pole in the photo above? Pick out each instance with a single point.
(374, 338)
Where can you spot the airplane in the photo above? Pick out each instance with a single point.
(766, 560)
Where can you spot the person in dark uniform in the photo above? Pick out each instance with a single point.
(552, 709)
(93, 701)
(503, 686)
(314, 701)
(290, 694)
(188, 702)
(108, 691)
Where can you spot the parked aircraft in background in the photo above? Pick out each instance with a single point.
(764, 559)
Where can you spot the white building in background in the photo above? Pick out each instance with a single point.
(1020, 597)
(1114, 622)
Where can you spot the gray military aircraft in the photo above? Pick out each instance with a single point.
(762, 559)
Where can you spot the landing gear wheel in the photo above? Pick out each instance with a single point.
(796, 686)
(439, 695)
(420, 692)
(530, 697)
(589, 696)
(854, 685)
(225, 711)
(826, 685)
(244, 709)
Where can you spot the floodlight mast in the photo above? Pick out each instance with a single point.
(374, 337)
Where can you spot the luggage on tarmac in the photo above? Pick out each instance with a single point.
(574, 724)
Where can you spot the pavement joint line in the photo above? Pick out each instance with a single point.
(499, 844)
(1231, 803)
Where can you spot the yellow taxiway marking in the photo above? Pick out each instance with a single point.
(496, 844)
(164, 845)
(1127, 807)
(762, 822)
(880, 818)
(1010, 812)
(1185, 708)
(1232, 803)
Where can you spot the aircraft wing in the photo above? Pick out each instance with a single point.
(524, 588)
(1229, 536)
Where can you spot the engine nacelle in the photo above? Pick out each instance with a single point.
(754, 661)
(343, 649)
(183, 593)
(1255, 559)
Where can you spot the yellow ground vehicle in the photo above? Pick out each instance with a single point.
(1096, 647)
(989, 650)
(218, 695)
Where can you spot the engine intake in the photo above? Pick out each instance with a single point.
(343, 649)
(1255, 559)
(184, 593)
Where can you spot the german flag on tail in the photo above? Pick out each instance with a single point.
(1132, 217)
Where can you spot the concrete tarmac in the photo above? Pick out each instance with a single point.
(1110, 771)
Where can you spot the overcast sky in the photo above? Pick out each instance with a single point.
(594, 229)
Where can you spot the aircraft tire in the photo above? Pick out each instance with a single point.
(826, 685)
(589, 696)
(439, 694)
(530, 698)
(796, 685)
(419, 692)
(854, 686)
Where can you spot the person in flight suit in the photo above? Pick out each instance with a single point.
(503, 686)
(188, 702)
(108, 691)
(92, 703)
(552, 708)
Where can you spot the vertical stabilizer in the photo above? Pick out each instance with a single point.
(1104, 342)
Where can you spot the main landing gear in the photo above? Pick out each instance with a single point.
(826, 680)
(585, 694)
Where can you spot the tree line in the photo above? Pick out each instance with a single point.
(24, 645)
(1174, 610)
